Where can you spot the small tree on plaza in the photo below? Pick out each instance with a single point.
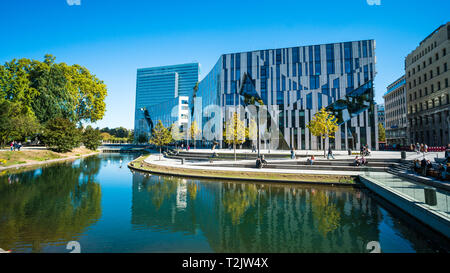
(323, 125)
(194, 132)
(381, 133)
(160, 136)
(177, 135)
(235, 132)
(252, 131)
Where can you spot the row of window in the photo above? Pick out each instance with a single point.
(425, 93)
(424, 51)
(418, 80)
(429, 104)
(428, 119)
(430, 61)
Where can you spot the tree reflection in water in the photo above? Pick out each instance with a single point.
(238, 198)
(325, 213)
(50, 205)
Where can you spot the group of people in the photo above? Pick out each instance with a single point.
(426, 168)
(419, 148)
(16, 145)
(365, 151)
(360, 161)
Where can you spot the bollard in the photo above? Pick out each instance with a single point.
(430, 196)
(182, 161)
(403, 154)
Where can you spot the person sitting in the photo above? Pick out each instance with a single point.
(357, 161)
(311, 160)
(258, 163)
(363, 161)
(416, 166)
(423, 166)
(263, 161)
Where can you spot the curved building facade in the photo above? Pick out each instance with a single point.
(293, 84)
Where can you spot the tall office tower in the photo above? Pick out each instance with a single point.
(162, 93)
(427, 92)
(294, 84)
(395, 112)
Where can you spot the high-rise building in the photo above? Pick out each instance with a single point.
(162, 93)
(427, 92)
(294, 84)
(395, 112)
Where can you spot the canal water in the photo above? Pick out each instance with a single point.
(105, 207)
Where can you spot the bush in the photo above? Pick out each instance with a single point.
(92, 138)
(61, 135)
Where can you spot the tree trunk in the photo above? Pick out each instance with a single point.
(160, 153)
(324, 148)
(234, 146)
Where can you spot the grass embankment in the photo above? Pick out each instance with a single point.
(10, 158)
(242, 175)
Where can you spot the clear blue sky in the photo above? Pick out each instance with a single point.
(113, 38)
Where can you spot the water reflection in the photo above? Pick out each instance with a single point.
(48, 205)
(245, 217)
(108, 208)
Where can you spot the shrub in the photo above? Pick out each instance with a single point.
(92, 138)
(61, 135)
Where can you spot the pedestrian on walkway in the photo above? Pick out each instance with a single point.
(292, 153)
(12, 145)
(19, 145)
(330, 153)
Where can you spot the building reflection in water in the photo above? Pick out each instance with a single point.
(247, 217)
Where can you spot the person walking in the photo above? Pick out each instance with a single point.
(12, 145)
(292, 153)
(19, 145)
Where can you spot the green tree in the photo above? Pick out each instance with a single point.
(235, 132)
(92, 138)
(131, 136)
(381, 133)
(61, 135)
(142, 138)
(160, 136)
(323, 125)
(53, 90)
(194, 132)
(177, 135)
(16, 122)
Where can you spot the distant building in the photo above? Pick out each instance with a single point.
(162, 93)
(427, 92)
(395, 112)
(381, 114)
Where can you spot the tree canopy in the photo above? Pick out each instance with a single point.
(323, 125)
(53, 90)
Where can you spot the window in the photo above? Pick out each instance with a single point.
(444, 52)
(437, 56)
(445, 67)
(438, 71)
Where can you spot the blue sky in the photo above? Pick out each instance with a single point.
(113, 38)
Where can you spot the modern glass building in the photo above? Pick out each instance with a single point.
(162, 93)
(293, 84)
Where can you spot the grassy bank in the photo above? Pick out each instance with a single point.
(139, 164)
(11, 158)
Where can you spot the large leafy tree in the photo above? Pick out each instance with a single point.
(323, 125)
(53, 90)
(61, 135)
(160, 136)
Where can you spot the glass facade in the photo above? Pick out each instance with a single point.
(293, 84)
(162, 93)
